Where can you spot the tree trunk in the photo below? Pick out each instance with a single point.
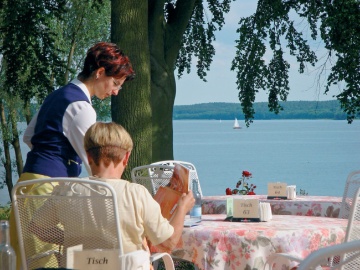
(27, 112)
(69, 59)
(7, 158)
(132, 108)
(139, 28)
(16, 142)
(163, 89)
(165, 41)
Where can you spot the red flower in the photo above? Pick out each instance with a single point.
(242, 186)
(246, 174)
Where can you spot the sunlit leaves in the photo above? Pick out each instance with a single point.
(277, 80)
(340, 30)
(270, 25)
(45, 39)
(83, 24)
(249, 63)
(207, 18)
(28, 46)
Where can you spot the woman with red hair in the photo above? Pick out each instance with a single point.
(55, 135)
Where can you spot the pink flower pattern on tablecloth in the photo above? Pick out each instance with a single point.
(216, 244)
(324, 206)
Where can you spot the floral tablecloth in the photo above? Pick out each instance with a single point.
(324, 206)
(218, 244)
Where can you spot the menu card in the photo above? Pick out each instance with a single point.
(169, 196)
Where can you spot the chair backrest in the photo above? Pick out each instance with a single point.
(349, 250)
(352, 234)
(340, 257)
(353, 227)
(76, 211)
(351, 186)
(152, 176)
(190, 166)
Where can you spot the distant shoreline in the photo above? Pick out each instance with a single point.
(299, 110)
(283, 119)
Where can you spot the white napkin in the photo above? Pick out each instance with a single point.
(291, 192)
(265, 211)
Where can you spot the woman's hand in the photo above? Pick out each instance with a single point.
(186, 201)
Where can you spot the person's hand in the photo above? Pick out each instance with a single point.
(187, 201)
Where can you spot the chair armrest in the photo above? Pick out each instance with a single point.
(276, 256)
(168, 261)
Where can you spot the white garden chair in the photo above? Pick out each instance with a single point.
(190, 166)
(76, 212)
(349, 251)
(351, 185)
(152, 176)
(352, 234)
(158, 174)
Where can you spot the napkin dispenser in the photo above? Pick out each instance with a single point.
(265, 211)
(291, 192)
(248, 210)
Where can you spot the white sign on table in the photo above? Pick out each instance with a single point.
(246, 209)
(80, 259)
(277, 190)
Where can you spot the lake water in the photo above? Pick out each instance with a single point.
(314, 155)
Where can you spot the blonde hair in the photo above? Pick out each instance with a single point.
(107, 142)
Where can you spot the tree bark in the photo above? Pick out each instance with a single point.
(7, 158)
(165, 41)
(132, 108)
(16, 142)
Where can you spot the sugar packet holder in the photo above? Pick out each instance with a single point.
(247, 210)
(281, 191)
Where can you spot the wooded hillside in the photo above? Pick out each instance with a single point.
(292, 110)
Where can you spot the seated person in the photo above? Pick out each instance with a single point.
(108, 147)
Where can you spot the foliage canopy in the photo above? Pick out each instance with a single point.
(337, 23)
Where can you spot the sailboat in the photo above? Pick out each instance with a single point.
(236, 124)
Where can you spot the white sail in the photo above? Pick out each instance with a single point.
(236, 124)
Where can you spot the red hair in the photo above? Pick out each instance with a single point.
(111, 58)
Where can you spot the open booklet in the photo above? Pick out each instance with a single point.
(169, 196)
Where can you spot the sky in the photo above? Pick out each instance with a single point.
(221, 81)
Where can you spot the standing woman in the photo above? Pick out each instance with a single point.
(55, 135)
